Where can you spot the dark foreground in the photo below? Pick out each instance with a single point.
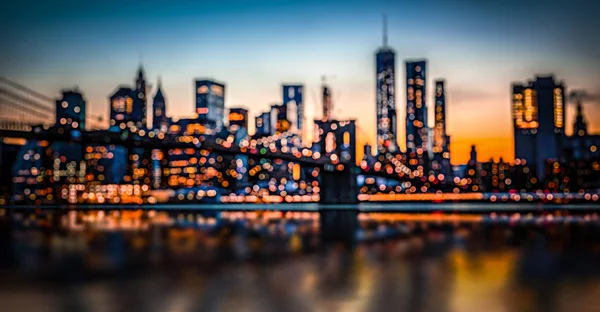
(270, 261)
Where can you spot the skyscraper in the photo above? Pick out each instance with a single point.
(538, 121)
(128, 106)
(140, 106)
(159, 110)
(210, 104)
(293, 101)
(441, 144)
(70, 110)
(416, 107)
(439, 130)
(386, 103)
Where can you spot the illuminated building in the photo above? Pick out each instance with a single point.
(386, 96)
(440, 145)
(293, 102)
(160, 122)
(538, 121)
(416, 107)
(336, 138)
(238, 118)
(210, 104)
(128, 106)
(70, 110)
(121, 108)
(440, 138)
(28, 169)
(263, 125)
(105, 164)
(471, 181)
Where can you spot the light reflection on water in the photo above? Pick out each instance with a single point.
(134, 261)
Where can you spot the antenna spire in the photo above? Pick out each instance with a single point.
(385, 31)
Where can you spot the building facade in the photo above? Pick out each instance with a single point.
(386, 99)
(210, 104)
(70, 110)
(128, 106)
(538, 121)
(238, 118)
(416, 107)
(440, 138)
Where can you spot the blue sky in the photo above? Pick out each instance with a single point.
(255, 46)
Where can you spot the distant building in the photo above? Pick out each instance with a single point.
(210, 104)
(70, 110)
(368, 157)
(386, 96)
(538, 121)
(279, 119)
(263, 124)
(440, 139)
(121, 108)
(140, 106)
(238, 118)
(582, 145)
(160, 121)
(326, 102)
(416, 107)
(128, 106)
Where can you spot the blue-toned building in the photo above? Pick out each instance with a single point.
(70, 110)
(210, 104)
(386, 97)
(440, 138)
(538, 109)
(416, 107)
(128, 106)
(262, 124)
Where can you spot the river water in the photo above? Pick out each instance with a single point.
(270, 261)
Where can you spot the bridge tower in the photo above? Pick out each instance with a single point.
(338, 208)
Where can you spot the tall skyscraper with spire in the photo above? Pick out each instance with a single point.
(140, 106)
(159, 110)
(386, 96)
(128, 105)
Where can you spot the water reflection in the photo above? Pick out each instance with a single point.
(269, 261)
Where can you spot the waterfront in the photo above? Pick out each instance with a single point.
(275, 261)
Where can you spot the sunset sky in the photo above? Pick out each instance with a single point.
(255, 46)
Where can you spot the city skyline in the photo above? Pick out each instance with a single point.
(467, 56)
